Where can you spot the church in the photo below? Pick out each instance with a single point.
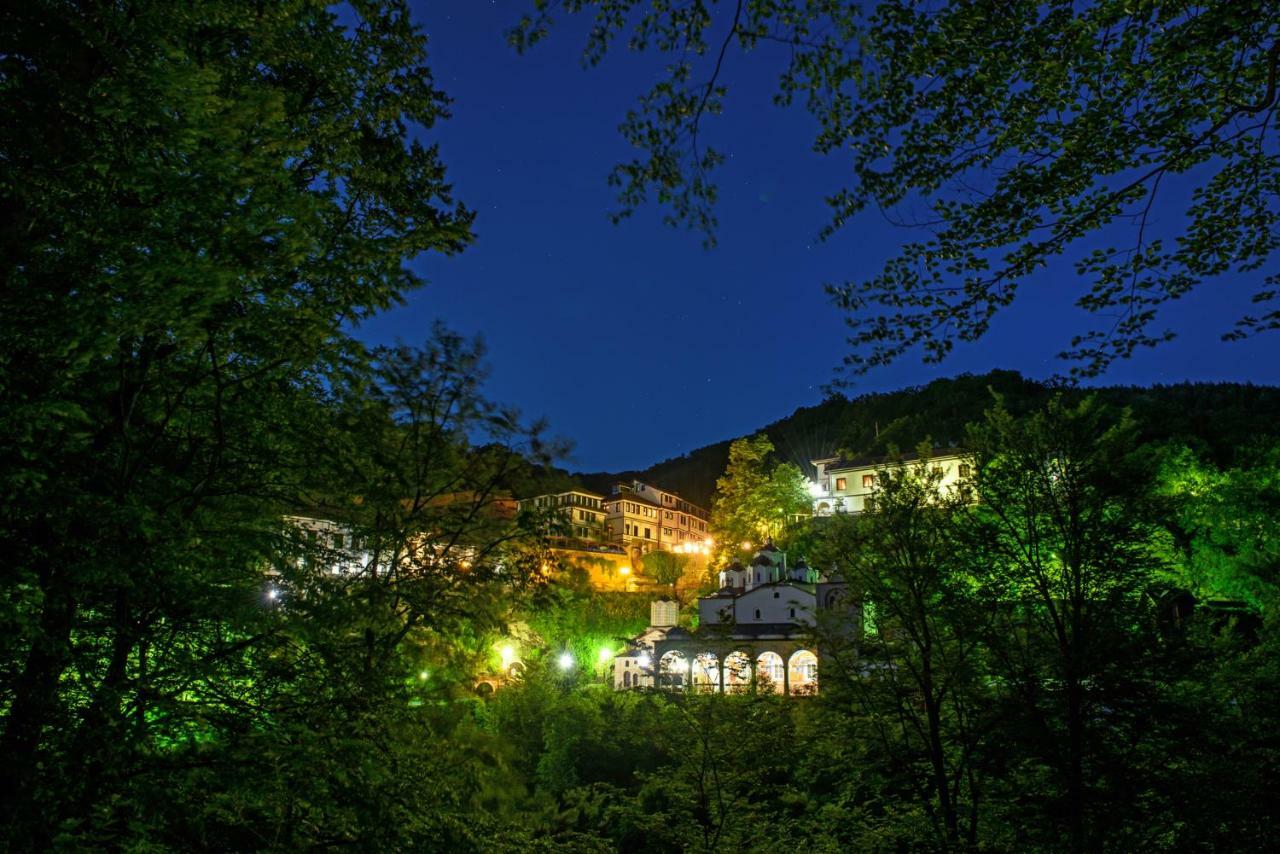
(755, 633)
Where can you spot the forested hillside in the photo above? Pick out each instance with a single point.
(1221, 417)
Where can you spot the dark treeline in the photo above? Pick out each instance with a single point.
(1221, 417)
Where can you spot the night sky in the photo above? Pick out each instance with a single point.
(634, 341)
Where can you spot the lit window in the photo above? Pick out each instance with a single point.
(841, 484)
(868, 481)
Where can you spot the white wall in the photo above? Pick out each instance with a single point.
(775, 603)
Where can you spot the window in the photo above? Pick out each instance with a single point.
(793, 613)
(337, 541)
(646, 534)
(964, 469)
(841, 483)
(868, 481)
(775, 594)
(757, 613)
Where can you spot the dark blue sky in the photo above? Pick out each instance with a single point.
(634, 341)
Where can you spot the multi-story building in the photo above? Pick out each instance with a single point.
(645, 518)
(581, 513)
(849, 486)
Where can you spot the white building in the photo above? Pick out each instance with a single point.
(756, 633)
(849, 486)
(332, 542)
(633, 667)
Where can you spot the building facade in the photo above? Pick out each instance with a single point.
(849, 486)
(578, 515)
(758, 632)
(644, 518)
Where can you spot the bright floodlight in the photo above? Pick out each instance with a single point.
(645, 660)
(565, 661)
(273, 593)
(605, 654)
(508, 656)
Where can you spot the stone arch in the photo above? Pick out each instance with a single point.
(770, 672)
(705, 675)
(737, 672)
(802, 672)
(673, 671)
(824, 508)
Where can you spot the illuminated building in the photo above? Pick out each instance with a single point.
(849, 485)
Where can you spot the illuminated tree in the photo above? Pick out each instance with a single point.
(666, 567)
(916, 673)
(1066, 558)
(1224, 522)
(755, 497)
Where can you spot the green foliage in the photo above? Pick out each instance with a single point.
(909, 562)
(583, 621)
(666, 567)
(1224, 523)
(756, 497)
(200, 200)
(1013, 135)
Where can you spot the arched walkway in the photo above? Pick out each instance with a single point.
(673, 671)
(802, 672)
(706, 673)
(737, 673)
(769, 673)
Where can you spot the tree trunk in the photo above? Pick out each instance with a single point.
(35, 700)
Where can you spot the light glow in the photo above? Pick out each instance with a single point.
(565, 661)
(508, 654)
(605, 654)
